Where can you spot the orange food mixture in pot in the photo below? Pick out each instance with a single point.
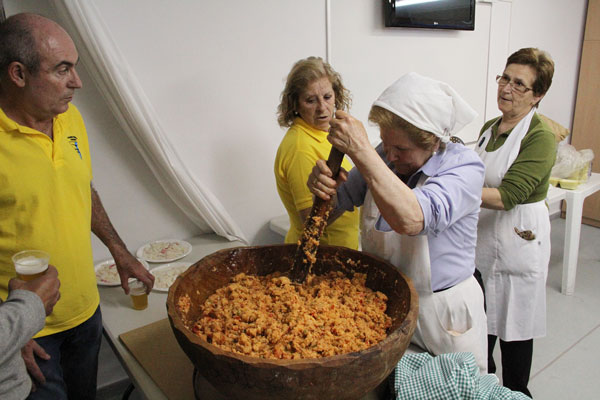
(271, 317)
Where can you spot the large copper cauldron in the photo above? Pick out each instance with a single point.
(346, 376)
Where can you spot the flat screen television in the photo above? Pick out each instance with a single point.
(432, 14)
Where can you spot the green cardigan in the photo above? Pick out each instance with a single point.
(526, 181)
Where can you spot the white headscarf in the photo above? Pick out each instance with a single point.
(427, 104)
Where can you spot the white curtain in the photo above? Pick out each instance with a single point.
(134, 112)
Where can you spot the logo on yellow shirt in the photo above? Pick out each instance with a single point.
(73, 141)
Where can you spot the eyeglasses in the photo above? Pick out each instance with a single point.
(504, 80)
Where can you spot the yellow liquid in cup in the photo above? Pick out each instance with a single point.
(30, 268)
(139, 301)
(28, 278)
(139, 297)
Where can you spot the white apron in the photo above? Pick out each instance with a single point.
(449, 321)
(513, 268)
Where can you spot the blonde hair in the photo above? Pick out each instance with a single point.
(302, 74)
(386, 119)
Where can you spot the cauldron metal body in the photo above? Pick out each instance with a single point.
(347, 376)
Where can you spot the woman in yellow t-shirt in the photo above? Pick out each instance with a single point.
(312, 93)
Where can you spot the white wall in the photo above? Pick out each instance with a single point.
(215, 70)
(370, 57)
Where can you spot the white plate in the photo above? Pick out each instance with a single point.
(163, 245)
(112, 278)
(173, 269)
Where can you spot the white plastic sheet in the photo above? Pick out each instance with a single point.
(571, 163)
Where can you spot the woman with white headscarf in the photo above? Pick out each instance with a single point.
(421, 196)
(513, 247)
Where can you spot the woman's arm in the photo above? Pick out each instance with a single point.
(527, 178)
(396, 201)
(490, 198)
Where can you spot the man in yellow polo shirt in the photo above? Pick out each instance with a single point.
(47, 201)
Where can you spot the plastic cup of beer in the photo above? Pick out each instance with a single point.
(139, 297)
(30, 264)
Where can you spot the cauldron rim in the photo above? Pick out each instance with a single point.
(341, 377)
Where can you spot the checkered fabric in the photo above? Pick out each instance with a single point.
(446, 377)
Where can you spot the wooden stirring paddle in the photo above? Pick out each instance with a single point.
(306, 252)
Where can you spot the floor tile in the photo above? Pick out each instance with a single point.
(574, 375)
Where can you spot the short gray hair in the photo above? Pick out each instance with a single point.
(18, 43)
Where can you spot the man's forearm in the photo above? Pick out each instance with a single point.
(127, 265)
(103, 228)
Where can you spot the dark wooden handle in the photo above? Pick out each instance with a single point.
(315, 225)
(334, 162)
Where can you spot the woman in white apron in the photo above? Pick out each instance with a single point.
(420, 200)
(513, 241)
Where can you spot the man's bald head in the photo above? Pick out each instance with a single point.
(21, 36)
